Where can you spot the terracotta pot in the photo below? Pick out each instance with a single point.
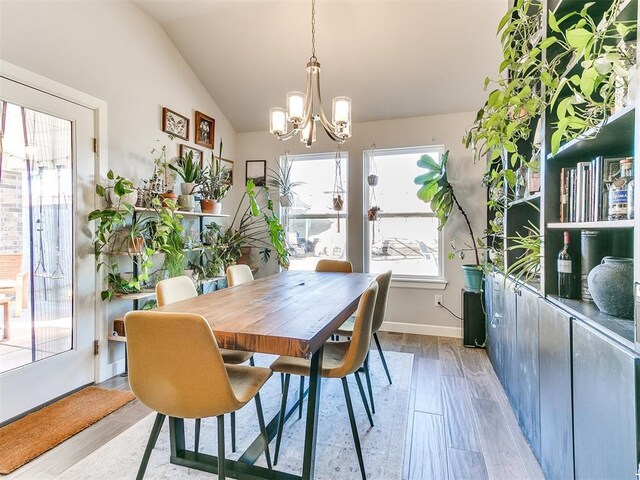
(373, 214)
(245, 257)
(136, 245)
(168, 196)
(207, 205)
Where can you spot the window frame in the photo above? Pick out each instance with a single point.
(411, 281)
(344, 214)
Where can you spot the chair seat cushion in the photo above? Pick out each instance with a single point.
(247, 381)
(235, 357)
(346, 329)
(333, 358)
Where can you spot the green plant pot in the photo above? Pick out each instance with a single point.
(472, 277)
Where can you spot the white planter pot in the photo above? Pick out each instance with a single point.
(286, 200)
(187, 188)
(217, 210)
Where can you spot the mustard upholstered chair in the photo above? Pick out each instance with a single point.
(346, 330)
(341, 266)
(176, 289)
(238, 274)
(340, 359)
(162, 375)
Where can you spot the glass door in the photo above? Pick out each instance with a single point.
(46, 173)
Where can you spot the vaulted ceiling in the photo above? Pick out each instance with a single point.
(394, 58)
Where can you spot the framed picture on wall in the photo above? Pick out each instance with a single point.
(227, 167)
(257, 171)
(205, 129)
(175, 124)
(198, 155)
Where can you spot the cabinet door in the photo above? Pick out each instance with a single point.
(527, 374)
(508, 340)
(495, 324)
(556, 423)
(604, 399)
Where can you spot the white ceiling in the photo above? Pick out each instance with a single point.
(394, 58)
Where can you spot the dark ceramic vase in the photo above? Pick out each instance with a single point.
(611, 286)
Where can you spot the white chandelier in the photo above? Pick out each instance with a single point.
(301, 109)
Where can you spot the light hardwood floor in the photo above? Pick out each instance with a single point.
(460, 423)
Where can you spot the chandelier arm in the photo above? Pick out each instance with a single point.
(287, 135)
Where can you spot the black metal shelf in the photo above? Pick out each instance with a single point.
(590, 225)
(531, 199)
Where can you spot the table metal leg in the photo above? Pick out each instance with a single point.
(313, 406)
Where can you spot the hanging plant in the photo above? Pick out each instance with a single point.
(373, 214)
(338, 189)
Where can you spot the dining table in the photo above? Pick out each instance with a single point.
(292, 313)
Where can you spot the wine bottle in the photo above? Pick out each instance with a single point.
(564, 270)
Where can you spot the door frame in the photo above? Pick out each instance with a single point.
(101, 166)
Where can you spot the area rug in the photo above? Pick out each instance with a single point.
(34, 434)
(382, 445)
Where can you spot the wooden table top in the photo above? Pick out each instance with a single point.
(291, 313)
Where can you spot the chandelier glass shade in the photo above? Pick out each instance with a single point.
(304, 110)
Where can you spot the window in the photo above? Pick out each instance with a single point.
(405, 238)
(313, 227)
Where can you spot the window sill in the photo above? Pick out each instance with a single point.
(420, 283)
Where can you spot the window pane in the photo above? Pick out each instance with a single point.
(408, 246)
(396, 190)
(313, 239)
(315, 195)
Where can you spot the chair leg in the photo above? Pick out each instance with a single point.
(384, 362)
(363, 396)
(263, 430)
(221, 454)
(283, 413)
(196, 445)
(233, 432)
(367, 376)
(354, 428)
(282, 382)
(301, 397)
(153, 438)
(252, 362)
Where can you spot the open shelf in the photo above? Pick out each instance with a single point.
(535, 198)
(590, 225)
(619, 329)
(614, 138)
(117, 338)
(187, 213)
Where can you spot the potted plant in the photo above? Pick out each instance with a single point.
(189, 171)
(373, 214)
(438, 192)
(166, 234)
(281, 180)
(372, 180)
(214, 185)
(165, 176)
(121, 193)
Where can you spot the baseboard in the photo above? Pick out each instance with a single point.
(435, 330)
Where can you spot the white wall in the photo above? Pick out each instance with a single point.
(113, 51)
(411, 309)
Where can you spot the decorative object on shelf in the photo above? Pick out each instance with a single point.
(175, 124)
(198, 155)
(256, 172)
(163, 177)
(565, 269)
(280, 179)
(520, 190)
(618, 196)
(205, 129)
(301, 113)
(189, 170)
(611, 286)
(187, 202)
(533, 178)
(214, 184)
(590, 257)
(337, 198)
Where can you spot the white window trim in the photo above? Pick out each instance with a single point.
(437, 282)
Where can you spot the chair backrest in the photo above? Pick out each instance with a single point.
(326, 265)
(384, 282)
(361, 338)
(238, 274)
(177, 371)
(10, 265)
(174, 290)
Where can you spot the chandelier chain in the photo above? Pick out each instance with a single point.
(313, 30)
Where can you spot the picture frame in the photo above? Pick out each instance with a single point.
(205, 127)
(198, 155)
(611, 169)
(257, 171)
(175, 124)
(227, 165)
